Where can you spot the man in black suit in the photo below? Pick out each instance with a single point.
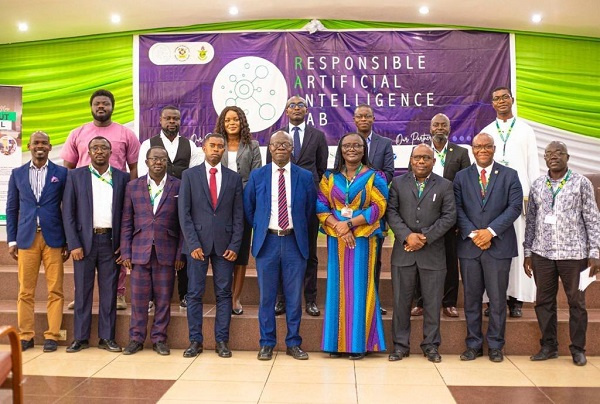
(421, 210)
(311, 153)
(211, 216)
(450, 158)
(489, 199)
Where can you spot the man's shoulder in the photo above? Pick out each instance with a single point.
(302, 172)
(382, 139)
(439, 180)
(314, 130)
(457, 148)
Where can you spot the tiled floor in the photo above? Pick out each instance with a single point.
(95, 376)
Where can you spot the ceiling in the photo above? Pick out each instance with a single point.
(68, 18)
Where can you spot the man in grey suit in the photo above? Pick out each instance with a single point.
(421, 209)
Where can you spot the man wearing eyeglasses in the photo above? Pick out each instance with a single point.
(562, 238)
(150, 249)
(310, 152)
(516, 147)
(489, 199)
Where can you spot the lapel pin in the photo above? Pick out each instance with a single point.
(496, 172)
(450, 149)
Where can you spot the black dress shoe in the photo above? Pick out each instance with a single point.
(193, 350)
(432, 355)
(382, 311)
(50, 345)
(223, 350)
(471, 354)
(133, 347)
(109, 344)
(357, 356)
(515, 312)
(397, 355)
(296, 352)
(161, 348)
(335, 355)
(26, 344)
(312, 309)
(279, 308)
(78, 345)
(237, 312)
(183, 303)
(544, 354)
(495, 355)
(265, 353)
(579, 358)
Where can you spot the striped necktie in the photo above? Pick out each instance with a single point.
(282, 219)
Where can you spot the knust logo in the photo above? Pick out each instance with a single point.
(255, 85)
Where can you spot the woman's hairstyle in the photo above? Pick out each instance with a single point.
(340, 162)
(245, 135)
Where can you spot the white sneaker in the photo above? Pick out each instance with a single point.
(121, 303)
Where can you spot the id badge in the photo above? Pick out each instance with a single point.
(347, 212)
(550, 219)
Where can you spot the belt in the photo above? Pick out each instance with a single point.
(282, 233)
(102, 230)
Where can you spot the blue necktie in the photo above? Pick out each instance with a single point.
(297, 144)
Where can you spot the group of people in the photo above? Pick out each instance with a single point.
(190, 207)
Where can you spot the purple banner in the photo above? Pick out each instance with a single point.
(406, 76)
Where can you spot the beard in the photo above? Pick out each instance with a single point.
(171, 133)
(102, 118)
(439, 138)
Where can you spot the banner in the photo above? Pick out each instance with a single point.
(11, 111)
(406, 76)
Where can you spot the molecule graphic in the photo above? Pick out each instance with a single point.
(255, 85)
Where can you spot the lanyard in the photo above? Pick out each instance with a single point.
(349, 183)
(484, 187)
(101, 178)
(420, 186)
(441, 155)
(558, 188)
(153, 198)
(505, 138)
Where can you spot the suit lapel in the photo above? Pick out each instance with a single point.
(449, 155)
(49, 174)
(267, 191)
(25, 179)
(305, 142)
(204, 182)
(430, 184)
(294, 180)
(474, 180)
(224, 184)
(241, 149)
(491, 182)
(166, 191)
(373, 146)
(87, 184)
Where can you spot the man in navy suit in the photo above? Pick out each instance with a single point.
(211, 216)
(279, 201)
(34, 234)
(92, 209)
(310, 152)
(488, 201)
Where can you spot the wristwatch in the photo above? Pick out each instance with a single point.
(349, 223)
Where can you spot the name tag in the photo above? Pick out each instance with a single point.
(550, 219)
(347, 212)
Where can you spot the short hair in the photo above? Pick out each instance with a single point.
(484, 134)
(171, 107)
(295, 96)
(502, 88)
(421, 144)
(103, 93)
(214, 134)
(155, 148)
(285, 133)
(100, 138)
(362, 106)
(41, 132)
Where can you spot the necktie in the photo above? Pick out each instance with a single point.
(282, 218)
(213, 186)
(297, 145)
(483, 181)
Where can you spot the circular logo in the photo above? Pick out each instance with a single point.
(255, 85)
(8, 145)
(182, 53)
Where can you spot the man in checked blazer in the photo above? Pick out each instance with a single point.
(150, 248)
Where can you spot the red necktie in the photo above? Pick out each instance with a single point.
(213, 186)
(282, 219)
(483, 183)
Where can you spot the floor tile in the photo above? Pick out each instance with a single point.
(523, 362)
(214, 391)
(74, 368)
(50, 385)
(407, 394)
(163, 401)
(316, 393)
(570, 395)
(498, 395)
(318, 359)
(381, 360)
(226, 372)
(102, 400)
(239, 357)
(314, 374)
(398, 376)
(483, 363)
(571, 376)
(142, 370)
(121, 389)
(149, 356)
(484, 377)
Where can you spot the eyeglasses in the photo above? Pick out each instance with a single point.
(363, 116)
(486, 147)
(96, 149)
(424, 157)
(501, 98)
(157, 159)
(277, 145)
(354, 146)
(293, 105)
(555, 153)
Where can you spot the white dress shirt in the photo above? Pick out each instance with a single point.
(274, 218)
(156, 191)
(488, 172)
(218, 176)
(302, 128)
(196, 157)
(438, 167)
(102, 199)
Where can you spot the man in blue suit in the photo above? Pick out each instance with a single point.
(35, 233)
(488, 200)
(279, 201)
(92, 209)
(211, 216)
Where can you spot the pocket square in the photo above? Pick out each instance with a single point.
(54, 179)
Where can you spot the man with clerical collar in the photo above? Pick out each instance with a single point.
(562, 239)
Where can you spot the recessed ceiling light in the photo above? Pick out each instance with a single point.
(536, 18)
(115, 18)
(233, 10)
(424, 10)
(23, 26)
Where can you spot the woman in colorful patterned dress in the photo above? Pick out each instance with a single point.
(352, 200)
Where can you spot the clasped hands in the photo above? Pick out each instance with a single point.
(414, 242)
(344, 233)
(482, 238)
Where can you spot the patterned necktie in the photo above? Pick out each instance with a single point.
(297, 145)
(282, 219)
(213, 186)
(483, 183)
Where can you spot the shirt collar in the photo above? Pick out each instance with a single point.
(160, 185)
(31, 165)
(165, 138)
(208, 167)
(107, 173)
(302, 126)
(488, 169)
(287, 167)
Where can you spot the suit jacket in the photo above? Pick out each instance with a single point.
(313, 154)
(381, 156)
(247, 158)
(457, 158)
(501, 207)
(203, 226)
(22, 209)
(141, 228)
(257, 205)
(78, 213)
(433, 215)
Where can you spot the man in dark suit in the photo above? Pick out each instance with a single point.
(211, 216)
(92, 210)
(35, 233)
(150, 237)
(488, 200)
(310, 152)
(421, 209)
(279, 201)
(450, 158)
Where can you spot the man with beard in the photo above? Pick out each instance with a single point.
(450, 158)
(182, 154)
(126, 147)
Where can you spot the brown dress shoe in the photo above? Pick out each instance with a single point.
(450, 311)
(416, 311)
